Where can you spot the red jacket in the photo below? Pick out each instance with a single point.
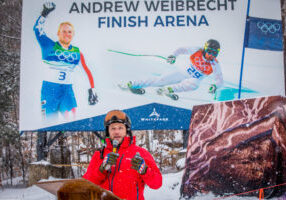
(123, 181)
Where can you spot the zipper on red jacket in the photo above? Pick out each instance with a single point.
(111, 189)
(120, 161)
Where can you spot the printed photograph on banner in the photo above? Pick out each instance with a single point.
(59, 59)
(81, 59)
(187, 77)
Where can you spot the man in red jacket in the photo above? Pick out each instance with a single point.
(123, 167)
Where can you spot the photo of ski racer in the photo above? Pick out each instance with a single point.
(203, 62)
(60, 59)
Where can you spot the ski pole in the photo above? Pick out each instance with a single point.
(130, 54)
(215, 95)
(100, 137)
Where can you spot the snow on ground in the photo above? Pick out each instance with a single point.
(170, 190)
(30, 193)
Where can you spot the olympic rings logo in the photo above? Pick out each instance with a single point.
(66, 55)
(269, 27)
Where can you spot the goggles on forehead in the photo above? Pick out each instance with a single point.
(211, 51)
(115, 116)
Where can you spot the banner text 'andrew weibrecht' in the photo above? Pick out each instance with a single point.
(151, 6)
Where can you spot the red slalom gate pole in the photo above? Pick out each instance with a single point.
(261, 194)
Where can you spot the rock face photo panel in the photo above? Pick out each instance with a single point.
(237, 146)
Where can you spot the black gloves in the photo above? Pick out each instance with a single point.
(109, 160)
(138, 163)
(47, 8)
(171, 59)
(92, 96)
(212, 88)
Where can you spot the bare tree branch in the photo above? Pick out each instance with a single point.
(11, 37)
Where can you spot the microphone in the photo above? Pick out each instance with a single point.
(115, 144)
(138, 155)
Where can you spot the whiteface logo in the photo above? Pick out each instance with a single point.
(154, 113)
(154, 116)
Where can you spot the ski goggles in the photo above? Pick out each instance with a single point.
(213, 52)
(115, 116)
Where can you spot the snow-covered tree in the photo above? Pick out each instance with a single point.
(10, 40)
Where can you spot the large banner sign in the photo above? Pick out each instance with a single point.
(154, 59)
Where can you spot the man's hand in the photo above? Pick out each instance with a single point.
(171, 59)
(109, 160)
(47, 8)
(92, 96)
(138, 163)
(212, 88)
